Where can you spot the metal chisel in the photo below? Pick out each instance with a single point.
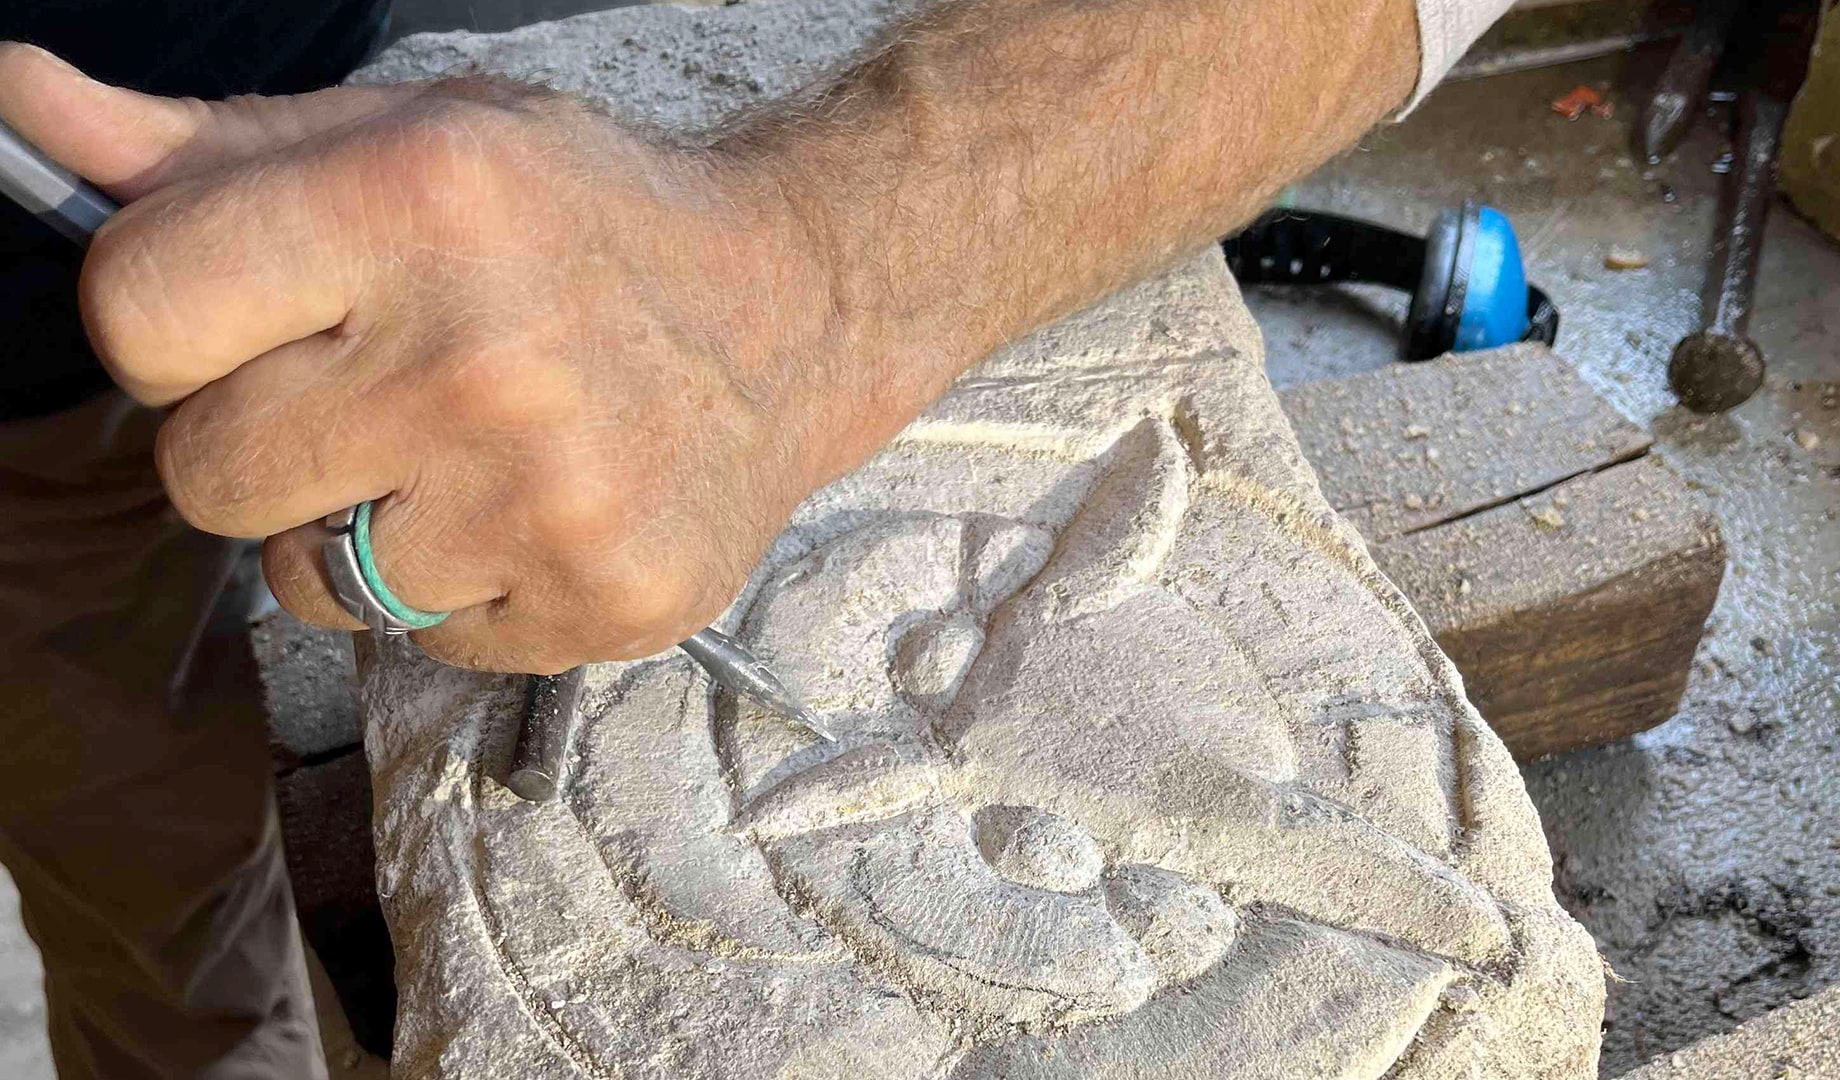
(551, 701)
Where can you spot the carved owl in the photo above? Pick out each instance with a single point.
(1177, 787)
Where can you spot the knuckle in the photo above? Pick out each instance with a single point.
(574, 517)
(206, 470)
(498, 92)
(479, 391)
(189, 485)
(451, 159)
(502, 387)
(123, 293)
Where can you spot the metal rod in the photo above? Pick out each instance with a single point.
(550, 706)
(1507, 61)
(1719, 367)
(49, 191)
(1683, 82)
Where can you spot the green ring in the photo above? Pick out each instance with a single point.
(413, 618)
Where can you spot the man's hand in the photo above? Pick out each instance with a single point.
(588, 376)
(576, 369)
(573, 367)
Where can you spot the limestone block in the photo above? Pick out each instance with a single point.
(1144, 770)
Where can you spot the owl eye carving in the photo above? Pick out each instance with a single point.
(932, 659)
(1034, 848)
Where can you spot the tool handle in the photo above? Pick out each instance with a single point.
(1744, 208)
(49, 191)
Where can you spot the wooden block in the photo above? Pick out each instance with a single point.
(1411, 445)
(1572, 614)
(1567, 575)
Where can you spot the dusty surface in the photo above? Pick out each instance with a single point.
(682, 67)
(1581, 536)
(1796, 1042)
(1142, 766)
(1415, 445)
(1704, 856)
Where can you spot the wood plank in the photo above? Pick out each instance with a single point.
(1411, 445)
(1567, 575)
(1573, 614)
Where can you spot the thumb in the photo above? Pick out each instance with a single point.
(131, 143)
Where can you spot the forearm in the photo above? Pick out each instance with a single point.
(1008, 161)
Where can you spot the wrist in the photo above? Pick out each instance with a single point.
(855, 325)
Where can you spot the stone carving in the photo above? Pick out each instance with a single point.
(1143, 769)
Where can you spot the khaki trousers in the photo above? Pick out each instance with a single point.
(135, 807)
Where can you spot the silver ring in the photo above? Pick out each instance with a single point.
(342, 566)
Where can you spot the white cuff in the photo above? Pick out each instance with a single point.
(1445, 29)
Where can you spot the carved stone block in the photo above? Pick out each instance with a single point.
(1144, 770)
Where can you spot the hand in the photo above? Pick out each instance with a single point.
(587, 377)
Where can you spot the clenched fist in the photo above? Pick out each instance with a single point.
(586, 376)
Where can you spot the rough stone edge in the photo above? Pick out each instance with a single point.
(1800, 1041)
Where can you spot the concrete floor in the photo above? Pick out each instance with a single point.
(1704, 855)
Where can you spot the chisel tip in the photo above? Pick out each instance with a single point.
(731, 664)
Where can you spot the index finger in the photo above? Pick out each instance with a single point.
(186, 284)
